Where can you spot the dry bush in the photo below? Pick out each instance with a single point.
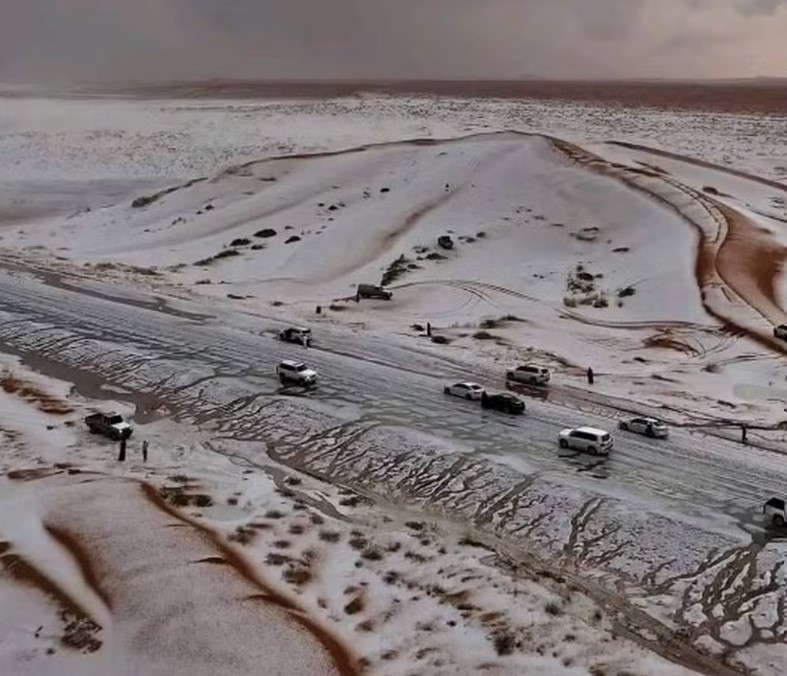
(504, 643)
(242, 535)
(297, 574)
(372, 553)
(358, 543)
(355, 606)
(329, 536)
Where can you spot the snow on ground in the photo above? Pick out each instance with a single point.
(172, 566)
(601, 274)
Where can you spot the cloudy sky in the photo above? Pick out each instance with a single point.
(160, 39)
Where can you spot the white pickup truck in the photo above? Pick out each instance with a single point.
(776, 510)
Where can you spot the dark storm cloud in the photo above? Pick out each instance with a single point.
(155, 39)
(753, 7)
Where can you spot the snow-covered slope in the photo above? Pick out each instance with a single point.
(596, 256)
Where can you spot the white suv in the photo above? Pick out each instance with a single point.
(296, 372)
(532, 374)
(586, 439)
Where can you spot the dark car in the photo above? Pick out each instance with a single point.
(505, 402)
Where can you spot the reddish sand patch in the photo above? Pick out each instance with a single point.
(740, 259)
(70, 542)
(342, 658)
(30, 393)
(80, 629)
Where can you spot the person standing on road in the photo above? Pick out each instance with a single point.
(744, 432)
(428, 329)
(145, 451)
(122, 455)
(590, 376)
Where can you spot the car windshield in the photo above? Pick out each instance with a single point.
(301, 367)
(605, 437)
(115, 419)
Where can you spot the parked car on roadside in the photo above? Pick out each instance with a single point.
(650, 427)
(776, 510)
(296, 372)
(472, 391)
(780, 331)
(505, 402)
(372, 291)
(531, 374)
(296, 334)
(110, 425)
(586, 439)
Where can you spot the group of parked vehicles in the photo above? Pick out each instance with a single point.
(584, 439)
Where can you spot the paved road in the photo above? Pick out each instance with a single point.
(388, 382)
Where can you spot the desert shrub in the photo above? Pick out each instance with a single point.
(626, 292)
(358, 543)
(202, 500)
(292, 239)
(489, 324)
(441, 340)
(355, 606)
(434, 256)
(484, 335)
(372, 554)
(553, 608)
(224, 253)
(274, 514)
(504, 644)
(329, 536)
(395, 270)
(240, 241)
(265, 232)
(242, 535)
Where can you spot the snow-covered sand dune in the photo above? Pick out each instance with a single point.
(612, 256)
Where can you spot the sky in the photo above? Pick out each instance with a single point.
(86, 40)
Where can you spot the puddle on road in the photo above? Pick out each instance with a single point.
(58, 281)
(89, 386)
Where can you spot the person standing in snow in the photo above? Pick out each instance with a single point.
(122, 455)
(145, 451)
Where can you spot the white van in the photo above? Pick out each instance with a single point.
(586, 439)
